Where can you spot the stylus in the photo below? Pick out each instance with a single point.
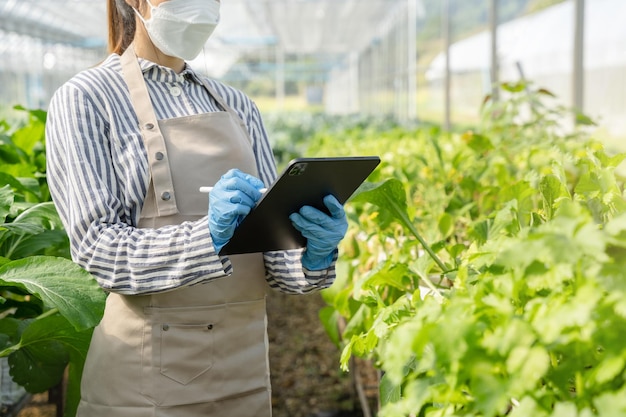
(208, 189)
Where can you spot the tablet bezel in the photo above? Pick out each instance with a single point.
(305, 181)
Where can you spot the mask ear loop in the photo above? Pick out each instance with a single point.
(139, 14)
(206, 65)
(152, 8)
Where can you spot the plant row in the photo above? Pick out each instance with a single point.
(484, 272)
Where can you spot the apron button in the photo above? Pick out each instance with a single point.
(166, 196)
(149, 126)
(166, 327)
(159, 156)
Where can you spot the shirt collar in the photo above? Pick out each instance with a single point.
(159, 73)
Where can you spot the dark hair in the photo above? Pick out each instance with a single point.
(121, 26)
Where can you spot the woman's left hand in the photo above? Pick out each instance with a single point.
(323, 232)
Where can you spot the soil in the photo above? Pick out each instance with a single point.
(305, 374)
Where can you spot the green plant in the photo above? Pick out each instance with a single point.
(292, 134)
(484, 272)
(48, 305)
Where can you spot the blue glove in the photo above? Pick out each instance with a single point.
(323, 232)
(230, 200)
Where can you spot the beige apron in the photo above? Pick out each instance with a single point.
(200, 350)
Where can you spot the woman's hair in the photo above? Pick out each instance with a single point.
(121, 26)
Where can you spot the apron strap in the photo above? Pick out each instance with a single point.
(161, 182)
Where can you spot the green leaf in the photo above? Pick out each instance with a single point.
(41, 360)
(22, 229)
(545, 92)
(389, 391)
(565, 410)
(6, 201)
(479, 231)
(34, 245)
(528, 366)
(29, 135)
(551, 190)
(478, 143)
(44, 214)
(10, 180)
(75, 373)
(611, 161)
(456, 250)
(527, 407)
(30, 185)
(388, 195)
(9, 155)
(517, 87)
(37, 115)
(446, 225)
(9, 332)
(489, 388)
(46, 346)
(61, 284)
(329, 318)
(611, 404)
(609, 368)
(358, 322)
(505, 219)
(392, 275)
(583, 119)
(589, 183)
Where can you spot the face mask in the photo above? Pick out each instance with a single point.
(180, 28)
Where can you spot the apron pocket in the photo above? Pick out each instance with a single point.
(186, 350)
(193, 355)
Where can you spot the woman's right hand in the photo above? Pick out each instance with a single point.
(230, 200)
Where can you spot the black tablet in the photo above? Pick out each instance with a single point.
(305, 181)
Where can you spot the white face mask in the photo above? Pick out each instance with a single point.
(180, 28)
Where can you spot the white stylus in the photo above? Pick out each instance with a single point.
(208, 189)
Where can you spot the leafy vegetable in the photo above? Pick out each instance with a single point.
(484, 272)
(48, 304)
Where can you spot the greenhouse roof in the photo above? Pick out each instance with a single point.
(543, 42)
(74, 22)
(305, 27)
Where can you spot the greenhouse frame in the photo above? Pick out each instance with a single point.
(410, 59)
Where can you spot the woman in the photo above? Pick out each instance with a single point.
(129, 144)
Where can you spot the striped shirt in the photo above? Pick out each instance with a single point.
(98, 175)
